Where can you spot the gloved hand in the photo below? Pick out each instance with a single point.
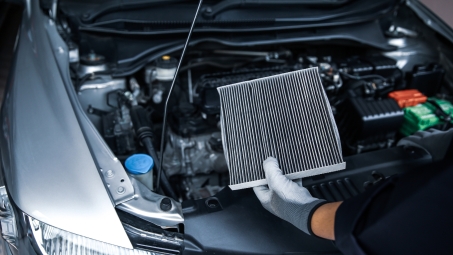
(434, 141)
(285, 198)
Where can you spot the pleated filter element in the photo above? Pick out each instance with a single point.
(286, 116)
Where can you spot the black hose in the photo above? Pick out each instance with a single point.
(142, 126)
(148, 143)
(164, 122)
(369, 76)
(441, 114)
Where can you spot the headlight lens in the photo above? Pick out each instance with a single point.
(7, 218)
(52, 240)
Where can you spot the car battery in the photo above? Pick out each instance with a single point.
(407, 98)
(423, 116)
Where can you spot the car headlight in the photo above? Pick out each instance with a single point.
(7, 218)
(50, 240)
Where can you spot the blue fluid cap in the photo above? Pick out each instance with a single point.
(139, 164)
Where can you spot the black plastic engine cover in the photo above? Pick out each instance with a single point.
(368, 124)
(427, 79)
(372, 117)
(210, 100)
(234, 222)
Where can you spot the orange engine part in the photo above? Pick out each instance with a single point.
(409, 97)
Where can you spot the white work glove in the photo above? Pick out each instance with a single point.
(434, 141)
(285, 198)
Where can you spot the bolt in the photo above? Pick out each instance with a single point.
(165, 204)
(121, 190)
(85, 15)
(109, 174)
(92, 56)
(208, 10)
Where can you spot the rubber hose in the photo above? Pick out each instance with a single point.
(148, 143)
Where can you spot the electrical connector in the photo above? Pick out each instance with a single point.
(407, 98)
(424, 116)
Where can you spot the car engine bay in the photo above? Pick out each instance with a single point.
(120, 134)
(357, 87)
(372, 92)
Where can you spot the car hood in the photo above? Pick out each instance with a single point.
(49, 170)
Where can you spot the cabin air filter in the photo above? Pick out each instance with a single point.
(286, 116)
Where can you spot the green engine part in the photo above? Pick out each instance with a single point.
(446, 106)
(423, 116)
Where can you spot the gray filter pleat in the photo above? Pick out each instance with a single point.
(286, 116)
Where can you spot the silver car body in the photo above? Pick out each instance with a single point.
(54, 159)
(49, 169)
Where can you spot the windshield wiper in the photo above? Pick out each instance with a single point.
(212, 11)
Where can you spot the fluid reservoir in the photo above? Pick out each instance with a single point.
(91, 63)
(159, 76)
(140, 166)
(165, 68)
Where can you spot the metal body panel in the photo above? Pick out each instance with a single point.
(146, 205)
(94, 93)
(431, 19)
(49, 169)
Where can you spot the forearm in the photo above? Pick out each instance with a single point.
(323, 220)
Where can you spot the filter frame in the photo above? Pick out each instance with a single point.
(260, 118)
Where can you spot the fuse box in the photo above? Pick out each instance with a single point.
(367, 124)
(427, 79)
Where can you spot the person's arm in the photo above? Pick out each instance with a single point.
(385, 219)
(323, 220)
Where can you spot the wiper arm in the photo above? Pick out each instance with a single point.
(118, 5)
(212, 11)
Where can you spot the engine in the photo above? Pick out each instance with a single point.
(360, 88)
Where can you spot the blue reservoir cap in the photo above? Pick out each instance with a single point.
(139, 164)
